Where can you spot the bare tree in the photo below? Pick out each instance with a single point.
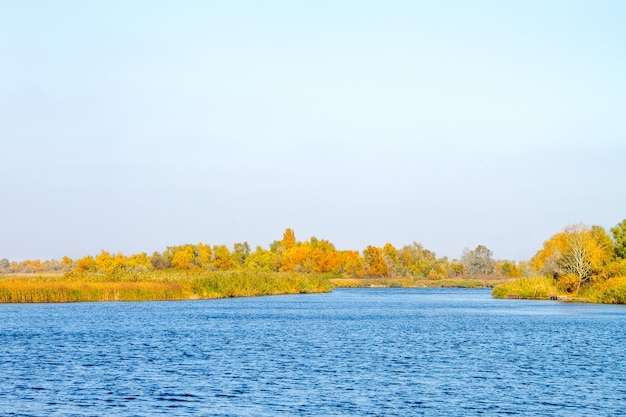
(478, 261)
(575, 256)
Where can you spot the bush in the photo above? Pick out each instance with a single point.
(569, 283)
(531, 288)
(611, 291)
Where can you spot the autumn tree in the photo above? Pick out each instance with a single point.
(240, 252)
(181, 257)
(478, 261)
(352, 264)
(159, 261)
(456, 268)
(619, 238)
(375, 262)
(508, 269)
(296, 258)
(222, 259)
(420, 262)
(289, 239)
(262, 260)
(203, 258)
(576, 255)
(390, 256)
(104, 261)
(67, 262)
(583, 252)
(86, 264)
(138, 262)
(323, 256)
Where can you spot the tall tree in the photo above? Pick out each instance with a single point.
(390, 256)
(478, 261)
(182, 257)
(240, 252)
(289, 239)
(578, 252)
(262, 260)
(418, 261)
(619, 238)
(222, 258)
(352, 264)
(375, 262)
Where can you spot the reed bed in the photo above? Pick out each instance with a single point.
(611, 291)
(156, 285)
(538, 288)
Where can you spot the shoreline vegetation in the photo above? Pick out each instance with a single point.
(609, 291)
(156, 286)
(288, 266)
(400, 282)
(580, 263)
(191, 285)
(577, 264)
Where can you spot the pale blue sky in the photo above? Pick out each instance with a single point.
(134, 125)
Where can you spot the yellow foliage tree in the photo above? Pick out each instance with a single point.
(204, 256)
(86, 264)
(352, 264)
(104, 262)
(375, 262)
(222, 259)
(324, 257)
(262, 260)
(296, 258)
(390, 256)
(182, 257)
(577, 252)
(289, 239)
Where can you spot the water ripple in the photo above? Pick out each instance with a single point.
(387, 352)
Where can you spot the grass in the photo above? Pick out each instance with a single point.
(538, 288)
(611, 291)
(156, 285)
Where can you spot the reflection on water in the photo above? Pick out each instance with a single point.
(379, 352)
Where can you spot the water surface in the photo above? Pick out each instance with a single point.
(353, 352)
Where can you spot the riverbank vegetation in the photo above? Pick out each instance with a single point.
(156, 285)
(212, 271)
(579, 263)
(478, 282)
(314, 256)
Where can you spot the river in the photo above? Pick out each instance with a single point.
(352, 352)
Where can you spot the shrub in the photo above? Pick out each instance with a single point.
(611, 291)
(532, 288)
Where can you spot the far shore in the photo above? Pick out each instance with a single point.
(483, 281)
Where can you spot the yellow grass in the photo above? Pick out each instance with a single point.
(156, 285)
(532, 288)
(611, 291)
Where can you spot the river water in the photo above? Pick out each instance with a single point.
(353, 352)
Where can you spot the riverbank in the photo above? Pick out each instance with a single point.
(155, 285)
(610, 291)
(486, 281)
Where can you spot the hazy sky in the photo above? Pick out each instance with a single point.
(131, 126)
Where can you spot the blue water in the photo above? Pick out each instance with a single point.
(353, 352)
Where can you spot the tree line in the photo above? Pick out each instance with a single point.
(315, 255)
